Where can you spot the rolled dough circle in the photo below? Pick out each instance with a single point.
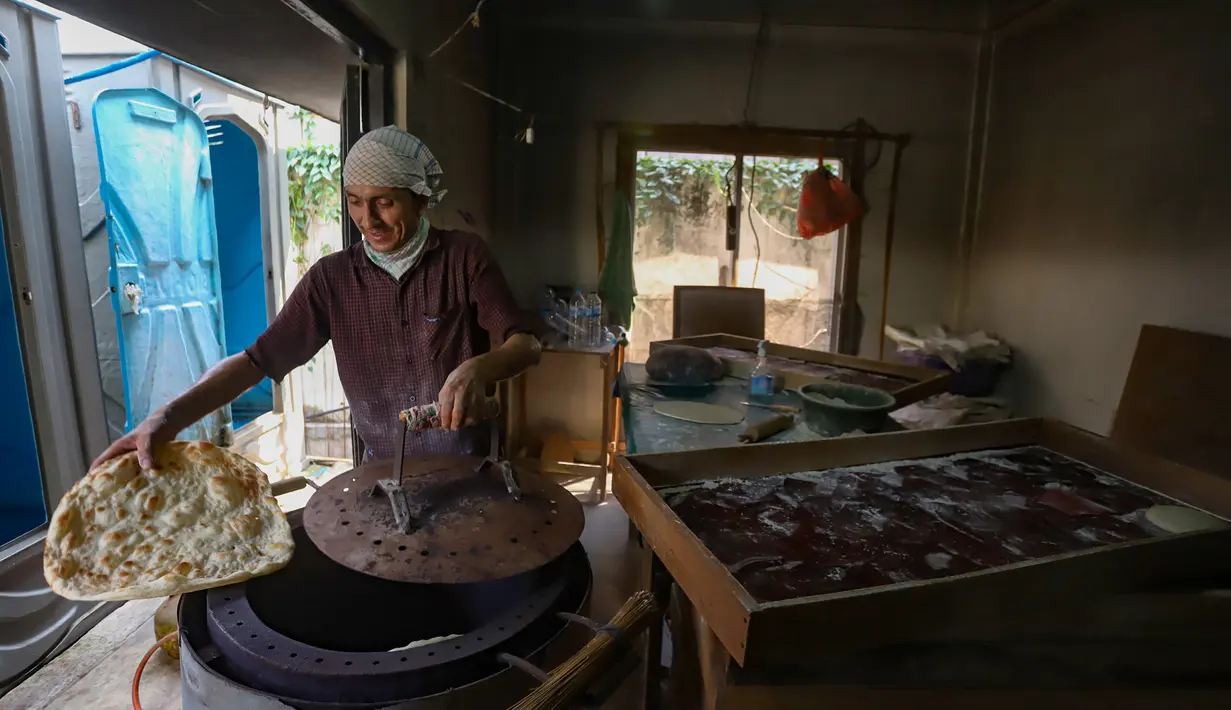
(699, 412)
(1178, 519)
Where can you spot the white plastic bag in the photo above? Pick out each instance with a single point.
(955, 350)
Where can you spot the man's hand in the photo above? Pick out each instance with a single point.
(146, 438)
(461, 397)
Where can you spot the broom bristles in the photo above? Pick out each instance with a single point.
(570, 679)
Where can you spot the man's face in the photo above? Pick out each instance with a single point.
(385, 215)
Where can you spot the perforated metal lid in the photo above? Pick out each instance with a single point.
(466, 526)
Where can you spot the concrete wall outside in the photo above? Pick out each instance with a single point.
(1104, 204)
(574, 76)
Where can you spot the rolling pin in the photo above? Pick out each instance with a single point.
(763, 430)
(784, 408)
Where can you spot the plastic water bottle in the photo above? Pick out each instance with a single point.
(547, 304)
(555, 313)
(594, 306)
(579, 330)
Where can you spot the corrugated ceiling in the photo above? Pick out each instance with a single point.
(262, 44)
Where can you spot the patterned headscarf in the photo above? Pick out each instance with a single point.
(391, 157)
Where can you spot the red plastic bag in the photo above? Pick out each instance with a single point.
(826, 204)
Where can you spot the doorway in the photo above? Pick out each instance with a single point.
(242, 248)
(22, 506)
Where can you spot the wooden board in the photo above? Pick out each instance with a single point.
(1028, 599)
(919, 382)
(1177, 399)
(96, 673)
(698, 310)
(803, 697)
(702, 675)
(129, 625)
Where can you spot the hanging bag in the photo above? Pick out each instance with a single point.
(826, 204)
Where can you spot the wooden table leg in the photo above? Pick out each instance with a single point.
(685, 681)
(601, 487)
(520, 381)
(660, 585)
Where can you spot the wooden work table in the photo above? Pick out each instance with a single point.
(1090, 619)
(646, 432)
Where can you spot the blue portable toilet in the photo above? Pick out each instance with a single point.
(241, 254)
(188, 246)
(157, 188)
(22, 506)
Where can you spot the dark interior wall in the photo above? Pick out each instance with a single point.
(1105, 202)
(576, 69)
(455, 122)
(960, 16)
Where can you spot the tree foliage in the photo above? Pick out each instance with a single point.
(697, 188)
(680, 187)
(314, 176)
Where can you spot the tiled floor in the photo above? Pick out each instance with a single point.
(615, 580)
(96, 673)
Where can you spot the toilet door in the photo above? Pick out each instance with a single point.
(166, 292)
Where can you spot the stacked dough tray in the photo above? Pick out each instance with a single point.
(1021, 544)
(857, 527)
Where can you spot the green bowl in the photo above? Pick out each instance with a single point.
(835, 408)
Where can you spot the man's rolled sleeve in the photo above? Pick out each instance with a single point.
(299, 330)
(490, 294)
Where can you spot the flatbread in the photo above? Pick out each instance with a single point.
(1177, 519)
(699, 412)
(204, 517)
(425, 642)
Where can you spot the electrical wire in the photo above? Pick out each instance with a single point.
(860, 123)
(753, 71)
(136, 685)
(480, 92)
(769, 224)
(820, 331)
(472, 20)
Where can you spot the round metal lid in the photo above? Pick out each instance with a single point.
(466, 526)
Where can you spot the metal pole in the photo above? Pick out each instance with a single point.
(890, 219)
(640, 130)
(734, 225)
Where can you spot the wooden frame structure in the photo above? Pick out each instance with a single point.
(514, 426)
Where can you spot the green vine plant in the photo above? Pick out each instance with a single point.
(685, 187)
(675, 192)
(314, 177)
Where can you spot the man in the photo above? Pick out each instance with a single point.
(411, 311)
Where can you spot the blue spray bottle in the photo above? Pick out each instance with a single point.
(761, 382)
